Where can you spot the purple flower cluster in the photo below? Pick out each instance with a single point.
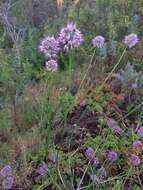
(49, 47)
(138, 145)
(96, 161)
(98, 41)
(70, 37)
(112, 156)
(6, 176)
(90, 153)
(42, 170)
(6, 171)
(117, 130)
(135, 160)
(114, 126)
(52, 65)
(140, 132)
(131, 40)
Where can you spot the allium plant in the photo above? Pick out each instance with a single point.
(70, 37)
(52, 65)
(98, 41)
(49, 47)
(131, 40)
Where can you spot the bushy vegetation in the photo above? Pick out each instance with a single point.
(71, 95)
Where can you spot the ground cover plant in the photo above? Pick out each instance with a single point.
(71, 95)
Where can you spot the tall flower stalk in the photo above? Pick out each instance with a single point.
(70, 66)
(89, 67)
(97, 42)
(70, 38)
(112, 71)
(130, 41)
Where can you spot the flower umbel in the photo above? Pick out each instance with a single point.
(98, 41)
(49, 47)
(131, 40)
(52, 65)
(70, 37)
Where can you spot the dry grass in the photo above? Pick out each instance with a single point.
(60, 3)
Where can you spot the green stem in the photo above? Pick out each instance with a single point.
(112, 71)
(70, 67)
(89, 66)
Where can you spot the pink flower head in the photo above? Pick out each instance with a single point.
(138, 145)
(117, 130)
(112, 156)
(98, 41)
(96, 161)
(52, 65)
(140, 132)
(131, 40)
(90, 152)
(70, 37)
(135, 160)
(49, 47)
